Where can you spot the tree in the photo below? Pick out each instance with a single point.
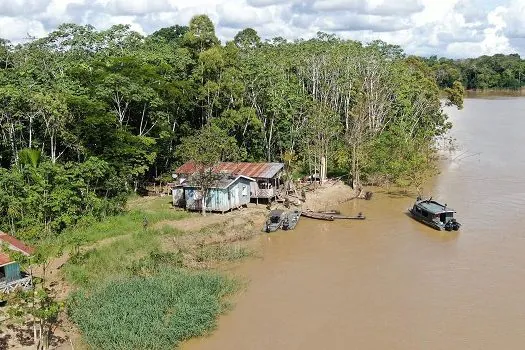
(173, 34)
(247, 39)
(201, 34)
(206, 150)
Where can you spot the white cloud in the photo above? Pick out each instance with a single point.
(514, 18)
(456, 28)
(22, 7)
(138, 7)
(18, 29)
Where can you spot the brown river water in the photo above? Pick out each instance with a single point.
(389, 282)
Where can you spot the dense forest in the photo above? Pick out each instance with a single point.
(485, 72)
(87, 116)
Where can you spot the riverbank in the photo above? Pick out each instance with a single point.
(173, 239)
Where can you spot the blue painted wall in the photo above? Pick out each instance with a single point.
(220, 199)
(12, 272)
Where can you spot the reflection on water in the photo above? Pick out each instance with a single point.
(389, 282)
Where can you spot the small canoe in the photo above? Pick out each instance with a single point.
(359, 216)
(318, 216)
(330, 212)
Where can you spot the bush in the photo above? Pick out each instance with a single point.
(155, 312)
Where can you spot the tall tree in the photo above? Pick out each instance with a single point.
(206, 150)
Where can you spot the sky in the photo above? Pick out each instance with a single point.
(451, 28)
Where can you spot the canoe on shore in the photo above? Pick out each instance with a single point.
(359, 216)
(318, 216)
(329, 212)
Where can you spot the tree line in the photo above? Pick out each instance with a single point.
(87, 116)
(486, 72)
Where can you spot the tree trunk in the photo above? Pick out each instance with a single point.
(203, 202)
(323, 169)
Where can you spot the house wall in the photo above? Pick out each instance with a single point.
(240, 193)
(12, 272)
(220, 199)
(217, 199)
(177, 194)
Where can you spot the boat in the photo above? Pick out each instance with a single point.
(336, 214)
(359, 216)
(290, 220)
(333, 211)
(274, 221)
(319, 216)
(434, 214)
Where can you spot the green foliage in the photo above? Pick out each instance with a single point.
(486, 72)
(111, 260)
(129, 108)
(156, 312)
(209, 146)
(226, 252)
(29, 157)
(36, 202)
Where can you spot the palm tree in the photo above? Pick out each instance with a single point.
(29, 157)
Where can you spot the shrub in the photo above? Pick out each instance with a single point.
(155, 312)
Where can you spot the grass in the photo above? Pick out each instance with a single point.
(141, 212)
(134, 292)
(223, 252)
(110, 261)
(156, 312)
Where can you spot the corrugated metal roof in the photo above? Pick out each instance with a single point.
(224, 182)
(4, 259)
(15, 244)
(254, 170)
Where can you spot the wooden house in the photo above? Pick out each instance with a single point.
(11, 276)
(228, 193)
(267, 176)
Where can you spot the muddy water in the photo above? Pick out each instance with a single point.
(391, 283)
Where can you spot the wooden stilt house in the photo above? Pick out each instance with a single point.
(11, 276)
(267, 178)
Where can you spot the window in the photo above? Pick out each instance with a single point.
(244, 190)
(424, 213)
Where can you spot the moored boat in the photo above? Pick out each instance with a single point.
(290, 220)
(359, 216)
(434, 214)
(319, 216)
(274, 221)
(331, 212)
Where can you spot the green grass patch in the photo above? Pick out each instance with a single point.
(156, 312)
(140, 214)
(223, 252)
(123, 257)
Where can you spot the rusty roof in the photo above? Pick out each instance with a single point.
(4, 259)
(225, 181)
(254, 170)
(15, 244)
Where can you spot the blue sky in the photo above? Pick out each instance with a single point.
(453, 28)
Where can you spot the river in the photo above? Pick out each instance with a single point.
(389, 282)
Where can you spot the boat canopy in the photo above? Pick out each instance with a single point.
(434, 207)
